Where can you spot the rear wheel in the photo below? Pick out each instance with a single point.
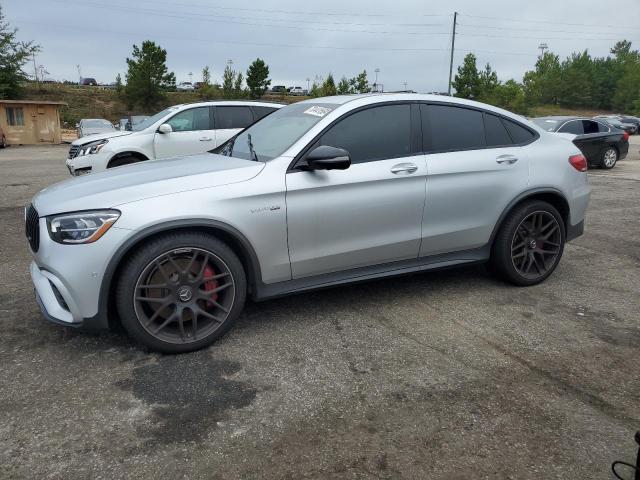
(609, 158)
(181, 292)
(529, 244)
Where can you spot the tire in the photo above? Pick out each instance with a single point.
(125, 160)
(175, 314)
(3, 142)
(529, 244)
(609, 158)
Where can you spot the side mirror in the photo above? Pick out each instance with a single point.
(326, 157)
(77, 125)
(165, 128)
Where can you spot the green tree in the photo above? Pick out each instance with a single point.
(467, 80)
(148, 76)
(344, 87)
(206, 76)
(361, 83)
(510, 96)
(237, 86)
(329, 86)
(258, 78)
(228, 77)
(542, 85)
(576, 85)
(119, 85)
(14, 55)
(315, 91)
(488, 82)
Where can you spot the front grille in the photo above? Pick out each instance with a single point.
(32, 228)
(73, 151)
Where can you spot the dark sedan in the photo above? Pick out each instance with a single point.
(616, 122)
(602, 144)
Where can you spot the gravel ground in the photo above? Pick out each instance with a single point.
(442, 375)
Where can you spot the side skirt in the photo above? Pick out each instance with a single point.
(404, 267)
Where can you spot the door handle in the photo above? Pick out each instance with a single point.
(404, 168)
(508, 159)
(206, 139)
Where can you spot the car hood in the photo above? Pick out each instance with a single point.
(131, 183)
(98, 136)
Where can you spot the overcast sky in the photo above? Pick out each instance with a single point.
(407, 40)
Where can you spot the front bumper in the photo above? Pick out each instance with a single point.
(68, 278)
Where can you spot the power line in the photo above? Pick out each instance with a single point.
(538, 30)
(536, 37)
(231, 42)
(297, 12)
(195, 17)
(618, 27)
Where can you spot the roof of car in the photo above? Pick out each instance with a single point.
(560, 118)
(232, 103)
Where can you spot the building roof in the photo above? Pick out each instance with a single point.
(32, 102)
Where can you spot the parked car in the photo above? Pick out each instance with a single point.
(3, 139)
(318, 194)
(122, 124)
(93, 126)
(630, 119)
(88, 81)
(615, 122)
(198, 85)
(600, 143)
(179, 130)
(279, 89)
(185, 87)
(297, 91)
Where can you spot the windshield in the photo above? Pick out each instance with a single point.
(97, 124)
(151, 120)
(275, 133)
(547, 124)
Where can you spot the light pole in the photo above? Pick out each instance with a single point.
(543, 47)
(308, 87)
(377, 70)
(405, 86)
(191, 77)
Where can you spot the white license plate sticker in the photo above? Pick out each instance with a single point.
(317, 111)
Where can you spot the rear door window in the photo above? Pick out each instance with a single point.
(495, 131)
(233, 117)
(574, 127)
(448, 128)
(589, 126)
(260, 112)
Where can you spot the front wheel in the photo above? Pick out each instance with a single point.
(609, 158)
(180, 292)
(529, 244)
(121, 161)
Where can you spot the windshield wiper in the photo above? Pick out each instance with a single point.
(254, 155)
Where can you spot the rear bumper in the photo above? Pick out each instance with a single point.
(574, 231)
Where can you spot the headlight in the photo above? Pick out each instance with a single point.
(91, 148)
(81, 227)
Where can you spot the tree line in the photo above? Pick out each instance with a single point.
(580, 80)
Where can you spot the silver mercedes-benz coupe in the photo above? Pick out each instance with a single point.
(318, 194)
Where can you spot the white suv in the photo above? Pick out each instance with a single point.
(178, 130)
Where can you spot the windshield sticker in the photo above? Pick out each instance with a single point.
(317, 111)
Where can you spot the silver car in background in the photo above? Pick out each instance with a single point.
(93, 126)
(318, 194)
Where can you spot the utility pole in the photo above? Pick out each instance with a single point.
(453, 46)
(35, 68)
(308, 80)
(79, 74)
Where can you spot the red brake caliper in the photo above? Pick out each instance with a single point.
(211, 284)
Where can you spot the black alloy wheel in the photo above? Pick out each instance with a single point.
(536, 245)
(529, 243)
(181, 292)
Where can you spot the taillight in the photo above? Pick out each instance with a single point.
(625, 136)
(579, 162)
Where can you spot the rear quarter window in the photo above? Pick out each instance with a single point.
(519, 134)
